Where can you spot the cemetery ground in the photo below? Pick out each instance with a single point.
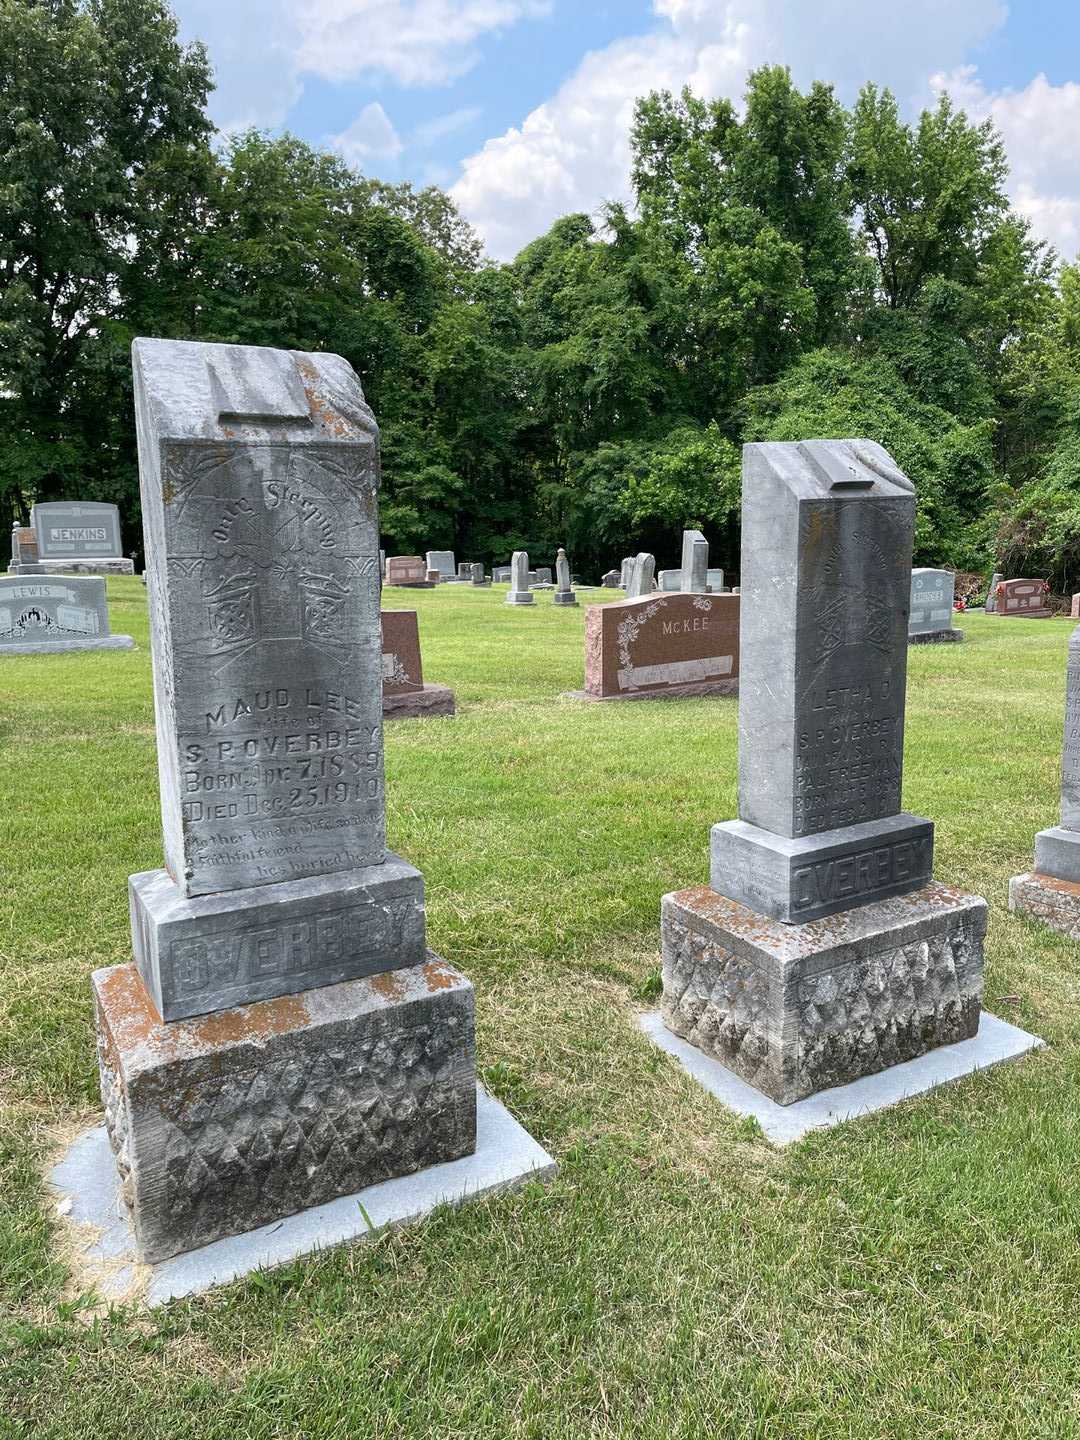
(916, 1272)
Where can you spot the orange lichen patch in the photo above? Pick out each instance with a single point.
(439, 976)
(388, 985)
(250, 1022)
(130, 1018)
(1051, 882)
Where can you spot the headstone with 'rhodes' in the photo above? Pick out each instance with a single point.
(404, 693)
(827, 529)
(280, 904)
(662, 646)
(519, 592)
(1022, 599)
(930, 619)
(1052, 891)
(79, 537)
(53, 613)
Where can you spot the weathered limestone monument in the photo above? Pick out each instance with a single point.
(930, 619)
(284, 1036)
(519, 592)
(404, 693)
(642, 575)
(79, 537)
(823, 950)
(46, 614)
(1051, 891)
(695, 562)
(564, 590)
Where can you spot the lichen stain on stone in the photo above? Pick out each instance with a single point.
(322, 414)
(131, 1018)
(258, 1021)
(1063, 887)
(439, 976)
(388, 985)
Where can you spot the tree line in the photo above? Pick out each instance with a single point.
(791, 268)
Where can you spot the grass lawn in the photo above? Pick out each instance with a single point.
(914, 1274)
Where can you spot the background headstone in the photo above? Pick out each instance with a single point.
(442, 561)
(79, 537)
(694, 569)
(991, 593)
(55, 613)
(642, 574)
(625, 571)
(662, 645)
(407, 570)
(932, 593)
(611, 579)
(1023, 599)
(669, 580)
(477, 575)
(564, 592)
(404, 693)
(24, 552)
(714, 581)
(519, 592)
(500, 574)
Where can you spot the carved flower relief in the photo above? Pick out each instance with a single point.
(629, 629)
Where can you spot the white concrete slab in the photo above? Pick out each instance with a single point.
(996, 1042)
(88, 1201)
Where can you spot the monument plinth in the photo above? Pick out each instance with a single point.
(823, 951)
(1051, 891)
(285, 1036)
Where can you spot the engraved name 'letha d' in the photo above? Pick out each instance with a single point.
(263, 574)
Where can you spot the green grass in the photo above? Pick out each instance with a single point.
(914, 1274)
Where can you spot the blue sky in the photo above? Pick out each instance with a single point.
(521, 107)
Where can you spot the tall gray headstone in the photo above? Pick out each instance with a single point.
(564, 589)
(1057, 850)
(695, 562)
(642, 575)
(259, 474)
(55, 613)
(519, 592)
(827, 529)
(625, 571)
(827, 536)
(991, 593)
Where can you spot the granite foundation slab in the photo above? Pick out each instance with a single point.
(936, 637)
(719, 689)
(117, 565)
(995, 1043)
(91, 1209)
(428, 700)
(213, 952)
(1044, 897)
(66, 647)
(227, 1123)
(797, 1009)
(800, 878)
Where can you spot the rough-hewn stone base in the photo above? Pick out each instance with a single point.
(935, 637)
(227, 1122)
(1055, 902)
(116, 565)
(65, 647)
(794, 1009)
(431, 700)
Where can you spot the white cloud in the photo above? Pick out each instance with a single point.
(371, 136)
(572, 152)
(429, 131)
(416, 42)
(1039, 126)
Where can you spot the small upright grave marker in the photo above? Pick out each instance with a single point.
(519, 592)
(564, 590)
(642, 574)
(695, 562)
